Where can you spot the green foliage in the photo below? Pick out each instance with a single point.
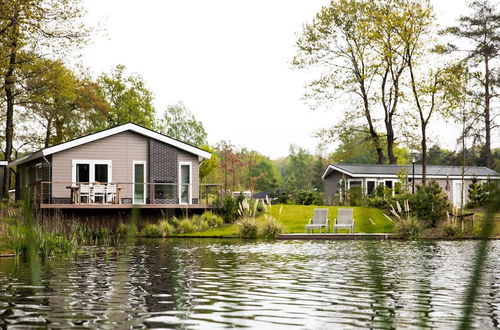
(308, 197)
(228, 208)
(180, 123)
(298, 173)
(185, 226)
(151, 230)
(450, 229)
(247, 227)
(270, 228)
(408, 228)
(208, 166)
(128, 97)
(264, 176)
(430, 203)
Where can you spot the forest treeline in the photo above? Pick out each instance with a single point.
(397, 71)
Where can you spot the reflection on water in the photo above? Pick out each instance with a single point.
(198, 284)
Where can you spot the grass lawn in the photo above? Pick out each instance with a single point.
(295, 217)
(479, 220)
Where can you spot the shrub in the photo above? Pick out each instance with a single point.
(430, 203)
(199, 223)
(408, 228)
(229, 207)
(308, 197)
(449, 229)
(185, 226)
(166, 229)
(212, 219)
(125, 230)
(248, 227)
(270, 228)
(151, 230)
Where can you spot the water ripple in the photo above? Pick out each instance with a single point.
(199, 284)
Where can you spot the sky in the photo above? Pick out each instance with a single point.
(228, 61)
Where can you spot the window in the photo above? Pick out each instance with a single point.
(101, 172)
(370, 186)
(354, 183)
(39, 172)
(91, 171)
(82, 173)
(389, 184)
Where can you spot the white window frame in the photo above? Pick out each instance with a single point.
(143, 162)
(91, 163)
(190, 190)
(38, 172)
(366, 185)
(455, 193)
(354, 180)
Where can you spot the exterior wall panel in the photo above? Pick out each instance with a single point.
(122, 149)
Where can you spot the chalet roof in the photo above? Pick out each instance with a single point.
(437, 171)
(109, 132)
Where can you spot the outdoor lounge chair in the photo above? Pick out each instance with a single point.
(99, 191)
(84, 193)
(318, 221)
(344, 221)
(111, 193)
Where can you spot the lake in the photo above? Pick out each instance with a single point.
(208, 283)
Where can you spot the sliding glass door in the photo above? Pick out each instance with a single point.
(139, 174)
(185, 183)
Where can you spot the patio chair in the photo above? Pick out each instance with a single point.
(111, 193)
(344, 221)
(84, 192)
(99, 191)
(318, 221)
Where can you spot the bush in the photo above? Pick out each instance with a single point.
(379, 202)
(270, 228)
(449, 229)
(408, 228)
(186, 226)
(228, 208)
(212, 219)
(151, 230)
(166, 229)
(430, 203)
(308, 197)
(248, 227)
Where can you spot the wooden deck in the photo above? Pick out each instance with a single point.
(329, 236)
(124, 206)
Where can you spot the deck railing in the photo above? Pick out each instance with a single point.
(93, 193)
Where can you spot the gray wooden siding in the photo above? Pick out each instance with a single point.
(331, 185)
(333, 179)
(122, 149)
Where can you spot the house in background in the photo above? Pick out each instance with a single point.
(120, 167)
(3, 168)
(369, 176)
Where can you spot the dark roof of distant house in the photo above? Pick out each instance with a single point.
(363, 170)
(266, 194)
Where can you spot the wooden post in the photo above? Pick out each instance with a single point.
(41, 193)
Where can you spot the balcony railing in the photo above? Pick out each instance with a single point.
(120, 193)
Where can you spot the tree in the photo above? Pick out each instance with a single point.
(181, 124)
(208, 165)
(29, 28)
(63, 103)
(299, 168)
(339, 42)
(263, 176)
(229, 163)
(482, 30)
(128, 97)
(362, 47)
